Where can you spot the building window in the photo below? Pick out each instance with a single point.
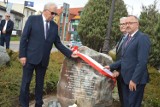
(17, 24)
(27, 13)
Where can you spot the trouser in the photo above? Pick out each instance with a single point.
(5, 38)
(0, 39)
(119, 86)
(132, 98)
(26, 79)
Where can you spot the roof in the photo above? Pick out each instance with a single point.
(74, 11)
(76, 17)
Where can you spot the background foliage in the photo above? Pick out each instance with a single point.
(94, 20)
(150, 24)
(11, 74)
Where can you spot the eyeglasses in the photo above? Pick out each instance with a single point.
(130, 23)
(52, 13)
(122, 24)
(7, 16)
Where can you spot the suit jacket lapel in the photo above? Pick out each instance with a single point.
(41, 25)
(118, 48)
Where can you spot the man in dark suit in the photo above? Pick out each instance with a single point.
(39, 34)
(133, 64)
(6, 27)
(122, 27)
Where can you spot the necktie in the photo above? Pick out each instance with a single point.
(128, 39)
(46, 29)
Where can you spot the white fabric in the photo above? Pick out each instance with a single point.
(5, 26)
(44, 24)
(134, 33)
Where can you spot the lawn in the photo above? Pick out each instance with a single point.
(15, 38)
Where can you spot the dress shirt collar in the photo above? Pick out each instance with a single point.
(134, 33)
(44, 19)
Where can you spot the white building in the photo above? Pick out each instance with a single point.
(19, 14)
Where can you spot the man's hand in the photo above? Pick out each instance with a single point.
(132, 86)
(107, 67)
(115, 73)
(23, 60)
(4, 32)
(74, 54)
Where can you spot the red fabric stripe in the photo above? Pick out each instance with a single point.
(95, 67)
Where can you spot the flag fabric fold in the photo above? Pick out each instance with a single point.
(97, 66)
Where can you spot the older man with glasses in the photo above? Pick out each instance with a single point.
(6, 28)
(122, 27)
(39, 35)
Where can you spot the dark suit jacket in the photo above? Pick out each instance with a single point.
(118, 49)
(9, 27)
(133, 62)
(33, 44)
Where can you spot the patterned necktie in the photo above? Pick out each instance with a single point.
(128, 39)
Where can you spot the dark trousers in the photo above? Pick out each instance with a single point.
(0, 39)
(132, 98)
(5, 38)
(119, 86)
(26, 79)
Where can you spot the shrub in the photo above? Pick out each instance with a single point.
(11, 75)
(152, 92)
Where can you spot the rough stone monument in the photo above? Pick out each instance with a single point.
(4, 57)
(82, 85)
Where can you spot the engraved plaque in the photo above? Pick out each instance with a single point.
(81, 83)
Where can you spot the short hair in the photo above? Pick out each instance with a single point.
(122, 18)
(48, 5)
(134, 17)
(7, 14)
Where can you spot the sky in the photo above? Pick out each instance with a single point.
(133, 6)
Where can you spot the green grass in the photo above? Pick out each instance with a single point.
(15, 38)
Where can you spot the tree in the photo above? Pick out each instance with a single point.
(150, 24)
(94, 19)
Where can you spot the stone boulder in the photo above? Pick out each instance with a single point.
(82, 85)
(4, 57)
